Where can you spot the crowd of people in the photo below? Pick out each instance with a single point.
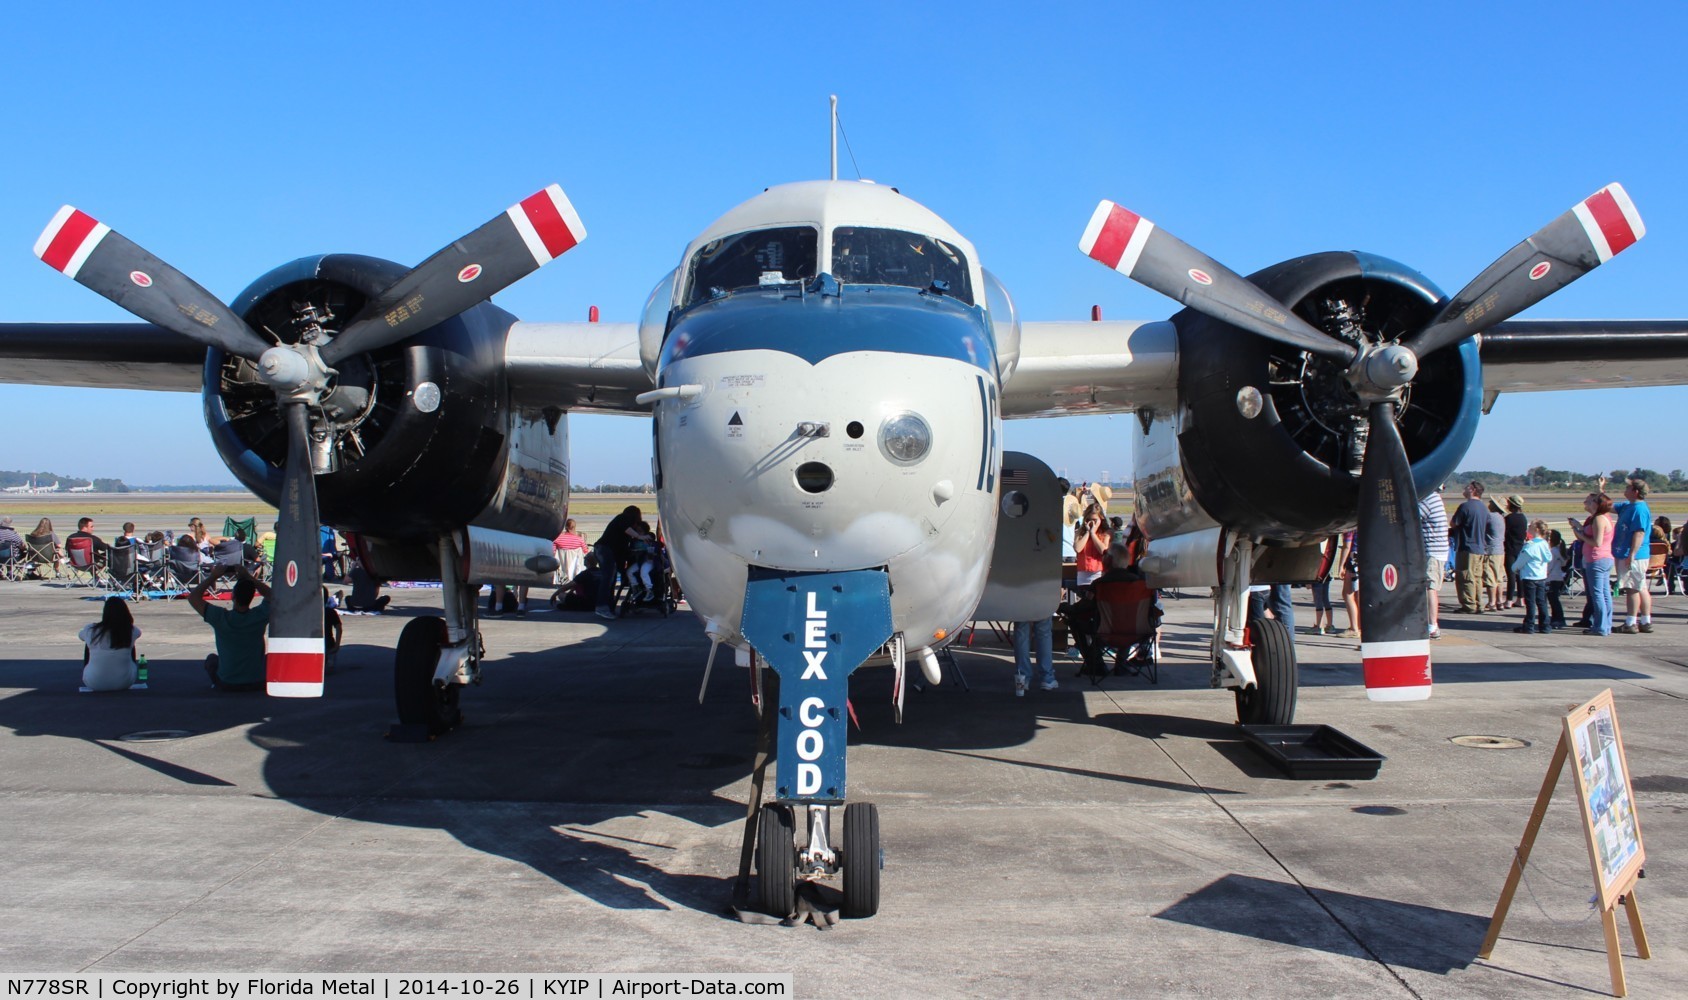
(1500, 558)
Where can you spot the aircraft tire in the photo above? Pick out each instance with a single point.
(419, 702)
(776, 861)
(862, 859)
(1271, 702)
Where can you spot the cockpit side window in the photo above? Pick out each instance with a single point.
(863, 255)
(749, 260)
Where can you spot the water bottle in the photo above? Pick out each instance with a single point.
(141, 669)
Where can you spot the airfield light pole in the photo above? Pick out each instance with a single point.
(834, 137)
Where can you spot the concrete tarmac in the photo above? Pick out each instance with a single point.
(1112, 841)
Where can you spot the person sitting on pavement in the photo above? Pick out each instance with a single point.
(108, 648)
(238, 663)
(366, 590)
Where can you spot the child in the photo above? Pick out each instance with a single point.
(642, 561)
(1531, 567)
(1556, 571)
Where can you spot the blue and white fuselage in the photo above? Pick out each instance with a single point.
(829, 387)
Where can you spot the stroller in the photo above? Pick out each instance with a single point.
(1122, 616)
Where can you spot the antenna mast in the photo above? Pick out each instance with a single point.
(834, 136)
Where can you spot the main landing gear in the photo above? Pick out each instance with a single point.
(437, 657)
(1257, 661)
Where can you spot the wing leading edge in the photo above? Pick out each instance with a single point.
(100, 356)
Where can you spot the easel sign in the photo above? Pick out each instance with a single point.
(1603, 795)
(1594, 746)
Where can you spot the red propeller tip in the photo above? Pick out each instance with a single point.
(1610, 220)
(548, 223)
(68, 240)
(1115, 237)
(1397, 671)
(293, 668)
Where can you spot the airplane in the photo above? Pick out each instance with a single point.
(828, 367)
(28, 487)
(81, 489)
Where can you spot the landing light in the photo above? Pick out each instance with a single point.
(905, 438)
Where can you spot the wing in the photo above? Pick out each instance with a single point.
(1552, 354)
(100, 355)
(1070, 368)
(577, 366)
(574, 366)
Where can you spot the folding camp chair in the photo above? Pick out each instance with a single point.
(43, 556)
(122, 573)
(13, 565)
(1656, 555)
(80, 553)
(152, 564)
(185, 569)
(1129, 622)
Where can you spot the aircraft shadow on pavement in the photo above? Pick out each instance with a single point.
(1364, 927)
(554, 744)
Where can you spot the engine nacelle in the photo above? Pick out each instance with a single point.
(1284, 465)
(423, 430)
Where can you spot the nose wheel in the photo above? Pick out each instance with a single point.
(862, 859)
(783, 870)
(776, 861)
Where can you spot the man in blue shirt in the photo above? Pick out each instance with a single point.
(1630, 551)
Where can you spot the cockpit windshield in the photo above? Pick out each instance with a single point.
(749, 260)
(864, 255)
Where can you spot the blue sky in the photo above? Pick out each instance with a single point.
(229, 138)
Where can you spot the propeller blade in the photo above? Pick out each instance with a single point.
(525, 237)
(1148, 254)
(1394, 644)
(1594, 231)
(112, 265)
(294, 652)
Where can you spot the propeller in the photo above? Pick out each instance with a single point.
(1589, 234)
(1149, 255)
(294, 664)
(98, 258)
(515, 243)
(512, 245)
(1394, 644)
(1394, 616)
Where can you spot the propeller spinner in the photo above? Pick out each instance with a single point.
(1394, 644)
(512, 245)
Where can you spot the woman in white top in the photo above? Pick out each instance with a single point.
(110, 648)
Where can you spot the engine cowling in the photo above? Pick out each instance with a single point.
(1285, 465)
(420, 430)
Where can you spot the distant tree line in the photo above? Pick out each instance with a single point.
(65, 482)
(1541, 478)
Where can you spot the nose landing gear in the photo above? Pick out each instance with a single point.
(781, 868)
(813, 629)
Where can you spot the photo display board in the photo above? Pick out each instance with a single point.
(1603, 795)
